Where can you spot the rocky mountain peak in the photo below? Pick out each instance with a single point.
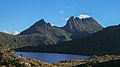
(71, 19)
(46, 33)
(41, 23)
(35, 28)
(82, 23)
(71, 24)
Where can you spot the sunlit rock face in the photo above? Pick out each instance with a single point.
(82, 26)
(82, 23)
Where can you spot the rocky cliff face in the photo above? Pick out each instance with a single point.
(78, 24)
(82, 26)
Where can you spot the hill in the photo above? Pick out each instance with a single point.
(106, 41)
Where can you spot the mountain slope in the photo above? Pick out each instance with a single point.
(103, 42)
(106, 41)
(42, 33)
(43, 29)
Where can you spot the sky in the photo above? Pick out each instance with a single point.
(18, 15)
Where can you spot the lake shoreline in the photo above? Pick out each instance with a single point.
(53, 57)
(56, 53)
(91, 61)
(8, 59)
(96, 61)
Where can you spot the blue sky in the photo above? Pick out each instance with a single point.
(18, 15)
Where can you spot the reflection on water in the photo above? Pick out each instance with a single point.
(50, 57)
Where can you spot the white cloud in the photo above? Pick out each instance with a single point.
(52, 24)
(5, 31)
(61, 11)
(84, 16)
(66, 19)
(15, 33)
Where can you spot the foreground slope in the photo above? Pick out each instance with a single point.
(9, 59)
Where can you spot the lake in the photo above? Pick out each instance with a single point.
(51, 57)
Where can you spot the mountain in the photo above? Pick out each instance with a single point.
(82, 26)
(46, 30)
(43, 33)
(53, 34)
(103, 42)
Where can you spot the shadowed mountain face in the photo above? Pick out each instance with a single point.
(43, 29)
(106, 41)
(37, 28)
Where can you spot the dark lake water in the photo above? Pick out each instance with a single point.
(51, 57)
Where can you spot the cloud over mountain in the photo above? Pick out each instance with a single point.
(15, 33)
(84, 16)
(6, 31)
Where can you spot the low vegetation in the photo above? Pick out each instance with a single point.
(9, 59)
(94, 61)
